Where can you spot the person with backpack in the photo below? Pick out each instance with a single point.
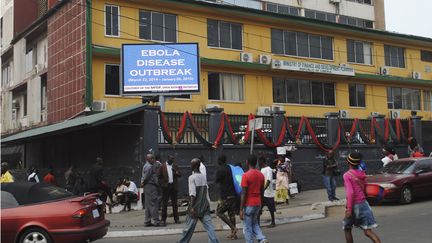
(228, 196)
(358, 212)
(199, 205)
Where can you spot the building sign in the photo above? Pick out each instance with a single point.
(149, 69)
(312, 67)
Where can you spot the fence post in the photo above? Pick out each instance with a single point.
(277, 121)
(214, 123)
(417, 129)
(379, 118)
(150, 130)
(332, 127)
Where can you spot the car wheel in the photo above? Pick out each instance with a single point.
(406, 195)
(35, 235)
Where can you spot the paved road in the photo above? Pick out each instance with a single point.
(398, 224)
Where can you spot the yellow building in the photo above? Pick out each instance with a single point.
(242, 54)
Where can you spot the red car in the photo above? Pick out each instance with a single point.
(43, 213)
(401, 180)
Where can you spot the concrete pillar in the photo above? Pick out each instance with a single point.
(214, 123)
(417, 129)
(150, 130)
(380, 121)
(277, 122)
(332, 127)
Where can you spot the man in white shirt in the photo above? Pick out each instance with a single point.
(269, 193)
(131, 195)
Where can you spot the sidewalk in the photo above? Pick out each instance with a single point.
(307, 205)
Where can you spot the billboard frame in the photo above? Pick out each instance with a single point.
(168, 93)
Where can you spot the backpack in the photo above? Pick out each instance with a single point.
(237, 173)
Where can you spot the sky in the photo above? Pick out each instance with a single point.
(412, 17)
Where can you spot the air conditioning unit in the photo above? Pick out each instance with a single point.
(15, 104)
(374, 114)
(211, 106)
(246, 57)
(277, 108)
(416, 75)
(264, 111)
(14, 114)
(38, 68)
(395, 114)
(384, 71)
(99, 105)
(343, 114)
(264, 59)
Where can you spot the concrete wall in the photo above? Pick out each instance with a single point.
(6, 12)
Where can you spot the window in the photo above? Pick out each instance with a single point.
(112, 20)
(357, 95)
(6, 75)
(157, 26)
(224, 34)
(403, 98)
(224, 86)
(185, 96)
(301, 44)
(369, 2)
(359, 52)
(282, 9)
(313, 14)
(394, 56)
(363, 23)
(427, 100)
(43, 92)
(303, 92)
(112, 80)
(426, 56)
(25, 102)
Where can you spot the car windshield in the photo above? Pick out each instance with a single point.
(399, 167)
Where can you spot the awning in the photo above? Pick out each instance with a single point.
(74, 124)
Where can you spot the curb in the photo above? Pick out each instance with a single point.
(320, 214)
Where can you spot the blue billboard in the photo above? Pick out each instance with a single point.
(149, 69)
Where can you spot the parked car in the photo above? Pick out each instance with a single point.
(40, 212)
(401, 180)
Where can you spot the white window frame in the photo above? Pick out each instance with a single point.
(219, 36)
(390, 57)
(427, 100)
(364, 55)
(163, 26)
(356, 95)
(120, 92)
(119, 20)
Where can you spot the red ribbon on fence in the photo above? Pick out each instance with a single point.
(316, 140)
(220, 131)
(165, 128)
(182, 126)
(386, 129)
(353, 129)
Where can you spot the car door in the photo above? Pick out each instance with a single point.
(423, 180)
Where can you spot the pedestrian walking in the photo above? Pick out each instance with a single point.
(282, 181)
(412, 144)
(358, 212)
(169, 174)
(50, 177)
(330, 172)
(250, 204)
(228, 197)
(71, 177)
(150, 182)
(96, 182)
(388, 157)
(33, 175)
(269, 194)
(6, 176)
(199, 206)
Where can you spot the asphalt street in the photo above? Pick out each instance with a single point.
(398, 224)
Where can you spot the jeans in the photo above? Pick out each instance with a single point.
(330, 185)
(251, 228)
(190, 227)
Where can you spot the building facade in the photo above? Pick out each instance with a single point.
(361, 13)
(384, 73)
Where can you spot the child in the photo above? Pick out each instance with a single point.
(358, 212)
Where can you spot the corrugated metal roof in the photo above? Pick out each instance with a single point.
(74, 124)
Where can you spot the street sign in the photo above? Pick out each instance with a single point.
(255, 124)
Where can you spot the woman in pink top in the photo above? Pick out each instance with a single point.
(358, 212)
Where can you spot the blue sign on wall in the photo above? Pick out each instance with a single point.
(160, 68)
